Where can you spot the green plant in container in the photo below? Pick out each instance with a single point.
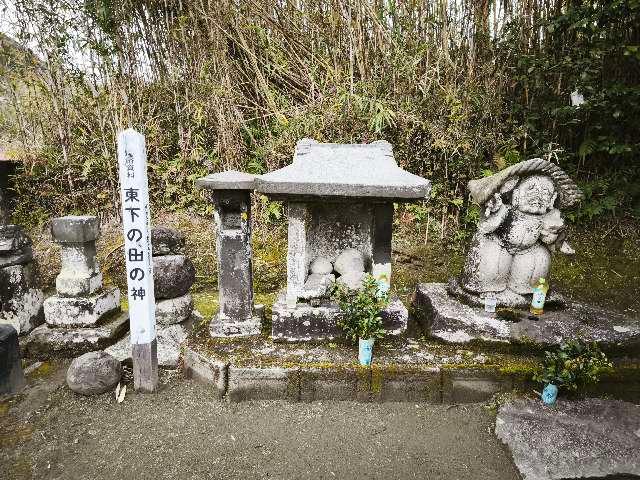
(573, 366)
(361, 314)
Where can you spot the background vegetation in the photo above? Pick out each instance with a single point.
(461, 88)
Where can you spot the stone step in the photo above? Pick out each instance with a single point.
(269, 374)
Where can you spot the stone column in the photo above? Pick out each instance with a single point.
(297, 261)
(381, 242)
(83, 315)
(80, 274)
(230, 193)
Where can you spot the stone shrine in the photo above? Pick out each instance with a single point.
(20, 298)
(339, 199)
(83, 315)
(231, 195)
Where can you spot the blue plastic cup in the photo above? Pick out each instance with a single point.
(365, 351)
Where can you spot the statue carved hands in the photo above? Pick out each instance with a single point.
(553, 227)
(493, 205)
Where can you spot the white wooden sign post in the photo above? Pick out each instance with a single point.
(134, 195)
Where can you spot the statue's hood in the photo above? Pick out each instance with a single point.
(482, 189)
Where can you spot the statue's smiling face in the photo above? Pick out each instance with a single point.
(535, 194)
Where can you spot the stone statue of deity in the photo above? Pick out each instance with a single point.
(520, 226)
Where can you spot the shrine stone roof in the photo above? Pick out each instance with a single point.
(343, 170)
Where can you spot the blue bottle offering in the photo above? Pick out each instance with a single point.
(365, 351)
(549, 394)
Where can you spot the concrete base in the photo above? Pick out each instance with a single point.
(46, 342)
(81, 311)
(310, 323)
(592, 438)
(448, 319)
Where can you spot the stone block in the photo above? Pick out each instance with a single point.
(591, 438)
(80, 273)
(405, 384)
(20, 300)
(173, 276)
(45, 342)
(222, 327)
(75, 229)
(13, 239)
(81, 311)
(78, 286)
(206, 370)
(166, 241)
(335, 383)
(12, 378)
(174, 310)
(395, 317)
(17, 257)
(271, 383)
(470, 385)
(304, 322)
(169, 342)
(447, 318)
(310, 323)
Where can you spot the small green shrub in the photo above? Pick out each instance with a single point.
(573, 366)
(361, 309)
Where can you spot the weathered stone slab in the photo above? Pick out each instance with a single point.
(11, 375)
(174, 310)
(81, 311)
(592, 438)
(169, 338)
(450, 320)
(45, 342)
(405, 384)
(166, 241)
(272, 383)
(173, 276)
(348, 383)
(206, 370)
(93, 373)
(20, 299)
(229, 180)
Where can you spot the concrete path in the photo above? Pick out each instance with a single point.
(183, 433)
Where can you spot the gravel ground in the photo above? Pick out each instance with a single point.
(183, 433)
